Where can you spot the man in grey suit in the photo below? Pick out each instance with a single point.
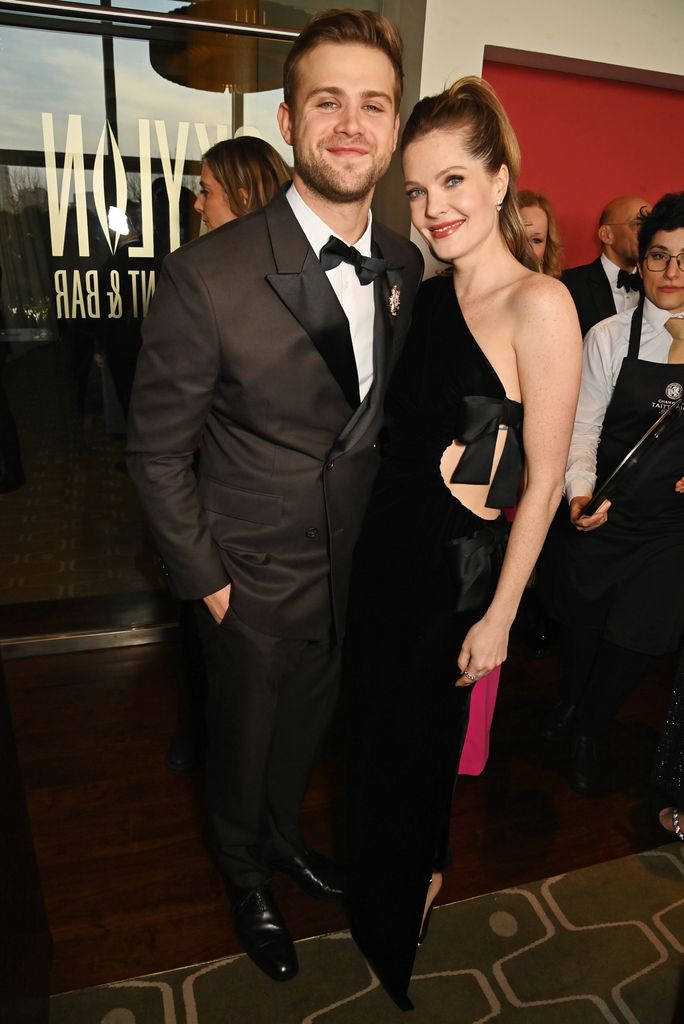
(610, 283)
(266, 355)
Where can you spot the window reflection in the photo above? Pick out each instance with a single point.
(99, 160)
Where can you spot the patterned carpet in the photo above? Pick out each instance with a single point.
(605, 944)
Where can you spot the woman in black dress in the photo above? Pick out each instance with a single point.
(667, 779)
(488, 339)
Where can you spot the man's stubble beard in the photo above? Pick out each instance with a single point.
(336, 186)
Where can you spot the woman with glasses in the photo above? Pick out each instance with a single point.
(621, 597)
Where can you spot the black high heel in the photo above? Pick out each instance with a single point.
(428, 914)
(676, 830)
(426, 924)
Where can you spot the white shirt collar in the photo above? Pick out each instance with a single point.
(316, 230)
(655, 316)
(612, 270)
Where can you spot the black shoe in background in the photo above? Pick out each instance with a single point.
(186, 751)
(557, 724)
(585, 768)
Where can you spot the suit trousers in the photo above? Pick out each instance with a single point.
(600, 677)
(270, 701)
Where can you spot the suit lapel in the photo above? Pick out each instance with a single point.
(384, 325)
(304, 288)
(387, 299)
(601, 291)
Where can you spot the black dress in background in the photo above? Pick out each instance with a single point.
(408, 719)
(667, 778)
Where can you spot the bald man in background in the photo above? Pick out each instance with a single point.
(610, 284)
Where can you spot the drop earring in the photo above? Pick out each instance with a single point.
(499, 204)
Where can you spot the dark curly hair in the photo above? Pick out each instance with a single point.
(666, 215)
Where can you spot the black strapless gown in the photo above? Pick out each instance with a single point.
(407, 718)
(667, 777)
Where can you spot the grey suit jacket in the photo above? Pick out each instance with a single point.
(591, 293)
(247, 361)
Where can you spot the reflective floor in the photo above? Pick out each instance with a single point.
(74, 528)
(129, 886)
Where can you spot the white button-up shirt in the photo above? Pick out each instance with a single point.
(356, 299)
(605, 346)
(622, 298)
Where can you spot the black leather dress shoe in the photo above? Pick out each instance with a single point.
(263, 933)
(558, 723)
(317, 875)
(584, 765)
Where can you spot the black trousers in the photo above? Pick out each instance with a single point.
(269, 705)
(600, 677)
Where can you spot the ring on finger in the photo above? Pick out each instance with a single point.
(470, 676)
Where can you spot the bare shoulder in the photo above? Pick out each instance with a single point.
(544, 318)
(541, 296)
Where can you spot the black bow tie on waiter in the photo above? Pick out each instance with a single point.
(335, 251)
(630, 282)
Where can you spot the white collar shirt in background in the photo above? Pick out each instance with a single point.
(605, 347)
(357, 300)
(621, 297)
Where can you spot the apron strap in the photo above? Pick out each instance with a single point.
(635, 331)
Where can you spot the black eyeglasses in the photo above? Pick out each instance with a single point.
(634, 224)
(660, 261)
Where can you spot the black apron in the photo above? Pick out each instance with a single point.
(626, 579)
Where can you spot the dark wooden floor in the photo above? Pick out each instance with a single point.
(129, 886)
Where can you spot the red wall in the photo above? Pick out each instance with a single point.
(585, 140)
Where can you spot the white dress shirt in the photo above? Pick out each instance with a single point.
(605, 347)
(621, 297)
(357, 300)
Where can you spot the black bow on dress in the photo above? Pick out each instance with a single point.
(477, 426)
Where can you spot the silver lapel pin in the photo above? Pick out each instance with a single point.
(394, 300)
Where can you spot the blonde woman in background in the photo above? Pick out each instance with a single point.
(541, 230)
(238, 176)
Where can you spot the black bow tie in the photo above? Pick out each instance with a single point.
(335, 251)
(630, 282)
